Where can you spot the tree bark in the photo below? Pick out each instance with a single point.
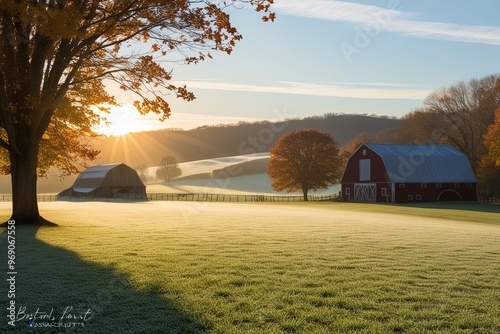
(24, 189)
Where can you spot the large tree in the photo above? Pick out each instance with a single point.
(304, 160)
(56, 56)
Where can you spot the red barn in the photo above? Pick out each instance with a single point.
(408, 173)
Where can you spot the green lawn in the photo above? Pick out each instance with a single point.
(180, 267)
(466, 211)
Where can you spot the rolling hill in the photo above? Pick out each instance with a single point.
(229, 140)
(242, 174)
(214, 142)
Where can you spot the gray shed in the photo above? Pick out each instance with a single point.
(107, 181)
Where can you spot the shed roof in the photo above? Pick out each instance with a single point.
(424, 163)
(93, 177)
(100, 168)
(83, 190)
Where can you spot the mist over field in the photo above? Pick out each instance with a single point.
(242, 174)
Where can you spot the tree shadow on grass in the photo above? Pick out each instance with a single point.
(70, 295)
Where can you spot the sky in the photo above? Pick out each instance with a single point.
(328, 56)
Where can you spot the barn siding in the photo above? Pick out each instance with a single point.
(378, 175)
(432, 192)
(378, 172)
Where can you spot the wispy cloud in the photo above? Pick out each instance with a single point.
(333, 10)
(345, 90)
(391, 20)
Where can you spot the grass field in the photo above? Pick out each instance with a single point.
(180, 267)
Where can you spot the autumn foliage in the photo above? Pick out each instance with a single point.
(59, 57)
(492, 139)
(489, 168)
(304, 160)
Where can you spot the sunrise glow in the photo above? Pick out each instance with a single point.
(120, 121)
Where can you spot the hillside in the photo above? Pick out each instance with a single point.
(213, 142)
(243, 174)
(229, 140)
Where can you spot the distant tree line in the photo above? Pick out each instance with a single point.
(465, 115)
(266, 122)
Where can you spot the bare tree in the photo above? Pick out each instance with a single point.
(458, 115)
(168, 169)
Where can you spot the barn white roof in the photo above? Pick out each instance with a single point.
(424, 163)
(83, 190)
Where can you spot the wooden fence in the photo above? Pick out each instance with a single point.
(210, 198)
(41, 198)
(488, 199)
(186, 197)
(237, 198)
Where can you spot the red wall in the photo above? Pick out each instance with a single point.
(378, 176)
(431, 192)
(378, 172)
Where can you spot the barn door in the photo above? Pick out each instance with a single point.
(365, 192)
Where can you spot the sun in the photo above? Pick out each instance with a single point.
(122, 120)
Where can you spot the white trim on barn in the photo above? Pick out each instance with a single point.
(364, 170)
(365, 192)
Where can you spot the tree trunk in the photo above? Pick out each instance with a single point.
(24, 194)
(304, 190)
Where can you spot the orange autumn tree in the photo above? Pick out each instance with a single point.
(56, 56)
(492, 139)
(489, 169)
(304, 160)
(352, 146)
